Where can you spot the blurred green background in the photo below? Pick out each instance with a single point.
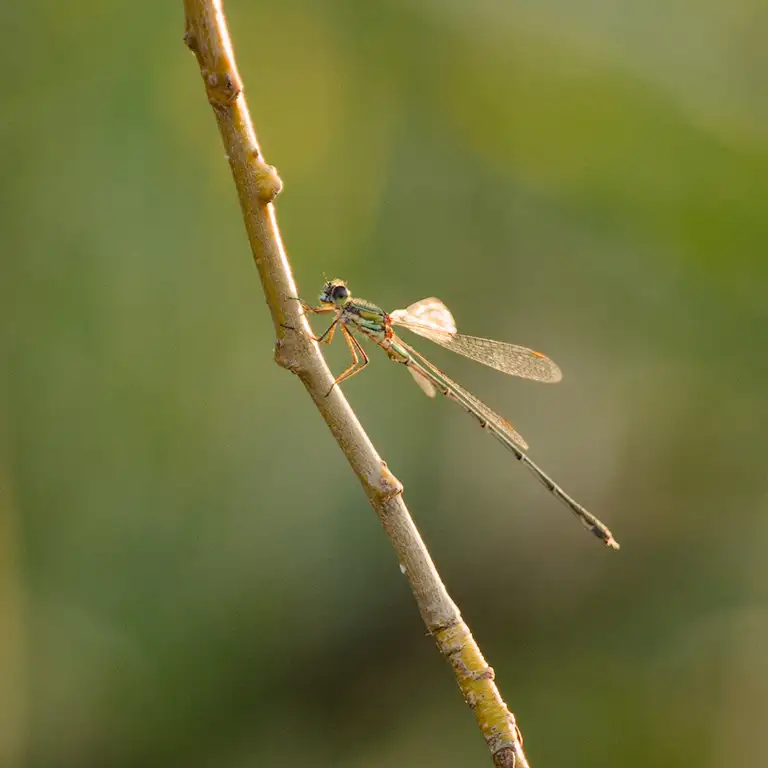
(189, 572)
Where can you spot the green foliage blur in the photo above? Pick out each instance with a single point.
(190, 574)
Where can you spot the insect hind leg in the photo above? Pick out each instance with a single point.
(357, 352)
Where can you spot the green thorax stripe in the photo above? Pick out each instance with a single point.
(366, 310)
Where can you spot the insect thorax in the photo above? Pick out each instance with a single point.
(366, 317)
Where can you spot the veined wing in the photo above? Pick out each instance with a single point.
(431, 319)
(504, 357)
(431, 374)
(427, 387)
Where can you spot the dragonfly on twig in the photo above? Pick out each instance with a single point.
(431, 319)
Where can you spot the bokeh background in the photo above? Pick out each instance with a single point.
(189, 572)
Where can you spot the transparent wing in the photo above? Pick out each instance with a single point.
(426, 385)
(483, 413)
(431, 319)
(504, 357)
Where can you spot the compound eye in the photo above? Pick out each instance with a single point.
(340, 292)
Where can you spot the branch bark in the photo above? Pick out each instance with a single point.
(257, 185)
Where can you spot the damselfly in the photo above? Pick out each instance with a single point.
(431, 319)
